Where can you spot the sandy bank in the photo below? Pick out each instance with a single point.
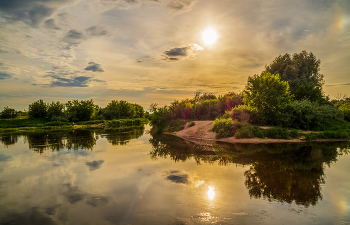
(201, 131)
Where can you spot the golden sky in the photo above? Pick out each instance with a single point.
(146, 51)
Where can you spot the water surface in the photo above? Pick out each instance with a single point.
(132, 177)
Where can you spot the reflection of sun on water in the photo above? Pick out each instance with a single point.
(209, 36)
(211, 193)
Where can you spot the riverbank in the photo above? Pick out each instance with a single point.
(201, 132)
(26, 124)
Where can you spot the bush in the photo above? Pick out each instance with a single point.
(277, 133)
(191, 124)
(345, 109)
(175, 125)
(8, 113)
(224, 127)
(244, 132)
(242, 113)
(55, 111)
(310, 115)
(38, 109)
(294, 133)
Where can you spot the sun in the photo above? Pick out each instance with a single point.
(209, 36)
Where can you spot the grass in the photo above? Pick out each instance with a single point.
(191, 124)
(329, 134)
(175, 125)
(25, 124)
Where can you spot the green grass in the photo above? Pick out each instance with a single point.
(25, 124)
(175, 125)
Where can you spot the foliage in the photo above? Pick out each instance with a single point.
(175, 125)
(309, 115)
(268, 95)
(38, 109)
(191, 124)
(329, 134)
(55, 112)
(224, 127)
(122, 110)
(8, 113)
(242, 113)
(80, 110)
(301, 71)
(345, 109)
(277, 133)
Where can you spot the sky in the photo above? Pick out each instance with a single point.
(153, 51)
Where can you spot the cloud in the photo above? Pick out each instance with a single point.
(31, 12)
(95, 164)
(182, 53)
(96, 31)
(74, 37)
(174, 6)
(4, 75)
(80, 81)
(180, 6)
(51, 24)
(3, 51)
(94, 67)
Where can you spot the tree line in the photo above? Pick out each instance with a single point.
(288, 93)
(77, 110)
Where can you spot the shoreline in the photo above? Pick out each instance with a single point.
(201, 132)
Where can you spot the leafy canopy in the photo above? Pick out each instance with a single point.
(269, 95)
(301, 70)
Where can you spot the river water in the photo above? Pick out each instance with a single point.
(132, 177)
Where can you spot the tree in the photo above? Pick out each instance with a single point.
(55, 111)
(8, 113)
(81, 110)
(301, 70)
(269, 95)
(38, 109)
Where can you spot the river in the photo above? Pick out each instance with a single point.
(132, 177)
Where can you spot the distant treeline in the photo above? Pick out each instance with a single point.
(76, 110)
(287, 93)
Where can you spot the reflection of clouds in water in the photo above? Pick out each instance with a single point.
(95, 164)
(29, 216)
(183, 177)
(4, 158)
(96, 201)
(178, 177)
(73, 194)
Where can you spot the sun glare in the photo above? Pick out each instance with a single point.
(209, 36)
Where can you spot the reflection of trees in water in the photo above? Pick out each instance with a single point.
(122, 137)
(9, 139)
(282, 172)
(75, 139)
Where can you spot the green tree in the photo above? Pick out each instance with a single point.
(301, 70)
(345, 108)
(55, 111)
(38, 109)
(81, 110)
(8, 113)
(269, 95)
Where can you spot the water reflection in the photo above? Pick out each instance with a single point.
(72, 140)
(282, 172)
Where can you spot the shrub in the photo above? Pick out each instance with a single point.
(345, 109)
(294, 133)
(224, 127)
(309, 115)
(38, 109)
(277, 133)
(8, 113)
(175, 125)
(244, 132)
(242, 113)
(191, 124)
